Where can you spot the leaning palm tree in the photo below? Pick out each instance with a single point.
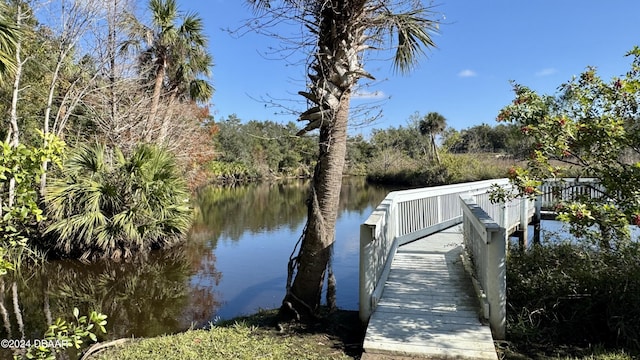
(432, 124)
(341, 33)
(174, 58)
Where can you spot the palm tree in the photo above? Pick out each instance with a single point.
(341, 31)
(107, 205)
(175, 56)
(432, 124)
(9, 35)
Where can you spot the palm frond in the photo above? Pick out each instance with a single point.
(164, 12)
(113, 208)
(9, 37)
(413, 31)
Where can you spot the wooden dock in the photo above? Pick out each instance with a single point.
(428, 307)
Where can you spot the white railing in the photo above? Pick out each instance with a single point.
(405, 216)
(402, 217)
(567, 188)
(485, 242)
(509, 215)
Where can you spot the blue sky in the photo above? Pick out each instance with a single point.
(481, 46)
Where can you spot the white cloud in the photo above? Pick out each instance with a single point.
(546, 72)
(467, 73)
(363, 94)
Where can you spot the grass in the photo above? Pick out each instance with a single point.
(337, 336)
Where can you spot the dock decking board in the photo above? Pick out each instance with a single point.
(428, 307)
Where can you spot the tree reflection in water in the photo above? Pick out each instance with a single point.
(184, 286)
(253, 229)
(145, 297)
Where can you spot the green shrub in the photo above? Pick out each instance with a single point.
(475, 167)
(65, 335)
(231, 171)
(574, 294)
(106, 205)
(20, 172)
(399, 169)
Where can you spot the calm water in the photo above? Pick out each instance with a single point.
(234, 263)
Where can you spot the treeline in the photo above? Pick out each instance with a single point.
(250, 150)
(255, 150)
(104, 127)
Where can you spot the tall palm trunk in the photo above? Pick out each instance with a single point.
(318, 239)
(166, 118)
(334, 72)
(434, 148)
(341, 31)
(155, 100)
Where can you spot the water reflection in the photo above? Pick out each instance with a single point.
(146, 297)
(233, 263)
(253, 230)
(254, 208)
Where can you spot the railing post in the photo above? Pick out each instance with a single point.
(497, 286)
(367, 274)
(537, 220)
(524, 222)
(505, 215)
(439, 206)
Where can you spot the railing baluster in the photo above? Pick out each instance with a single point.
(405, 216)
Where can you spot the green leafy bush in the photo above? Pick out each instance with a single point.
(107, 205)
(572, 293)
(20, 171)
(63, 335)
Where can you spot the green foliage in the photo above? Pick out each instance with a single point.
(231, 171)
(20, 170)
(359, 154)
(106, 205)
(473, 167)
(591, 128)
(574, 294)
(9, 35)
(63, 335)
(503, 138)
(261, 149)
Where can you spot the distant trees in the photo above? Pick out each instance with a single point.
(503, 138)
(261, 149)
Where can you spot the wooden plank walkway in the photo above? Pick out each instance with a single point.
(428, 307)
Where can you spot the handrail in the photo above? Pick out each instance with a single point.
(485, 241)
(402, 217)
(554, 190)
(405, 216)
